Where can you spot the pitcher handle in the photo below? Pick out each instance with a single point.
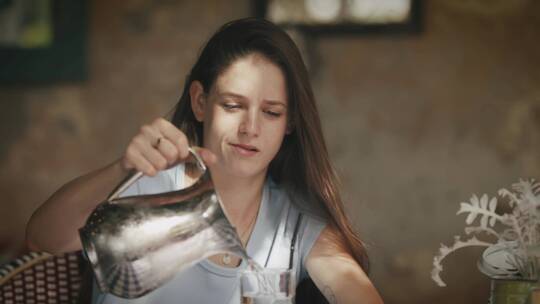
(136, 175)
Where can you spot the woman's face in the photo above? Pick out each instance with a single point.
(245, 116)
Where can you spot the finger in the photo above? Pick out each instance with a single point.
(172, 143)
(140, 163)
(208, 157)
(168, 150)
(151, 134)
(160, 143)
(156, 159)
(174, 135)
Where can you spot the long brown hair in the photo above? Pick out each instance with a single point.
(302, 164)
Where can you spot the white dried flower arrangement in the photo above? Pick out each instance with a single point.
(520, 239)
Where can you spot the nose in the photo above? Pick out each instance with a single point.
(250, 124)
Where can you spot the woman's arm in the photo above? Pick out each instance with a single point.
(336, 273)
(54, 226)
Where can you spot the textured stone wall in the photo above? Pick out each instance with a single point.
(415, 124)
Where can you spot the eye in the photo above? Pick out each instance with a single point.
(229, 106)
(273, 113)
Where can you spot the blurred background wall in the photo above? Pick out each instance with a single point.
(415, 123)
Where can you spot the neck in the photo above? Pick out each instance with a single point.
(241, 197)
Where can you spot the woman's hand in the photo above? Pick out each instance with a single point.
(158, 146)
(54, 225)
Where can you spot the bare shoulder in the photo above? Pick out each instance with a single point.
(330, 243)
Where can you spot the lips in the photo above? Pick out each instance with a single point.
(246, 147)
(246, 150)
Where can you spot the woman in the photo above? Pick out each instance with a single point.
(249, 103)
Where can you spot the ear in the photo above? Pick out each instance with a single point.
(198, 98)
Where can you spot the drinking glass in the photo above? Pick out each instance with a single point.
(268, 285)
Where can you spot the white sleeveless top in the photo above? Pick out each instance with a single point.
(269, 245)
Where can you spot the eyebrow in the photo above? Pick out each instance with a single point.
(238, 96)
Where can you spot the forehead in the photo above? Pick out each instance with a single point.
(254, 77)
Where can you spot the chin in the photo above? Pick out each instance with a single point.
(245, 172)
